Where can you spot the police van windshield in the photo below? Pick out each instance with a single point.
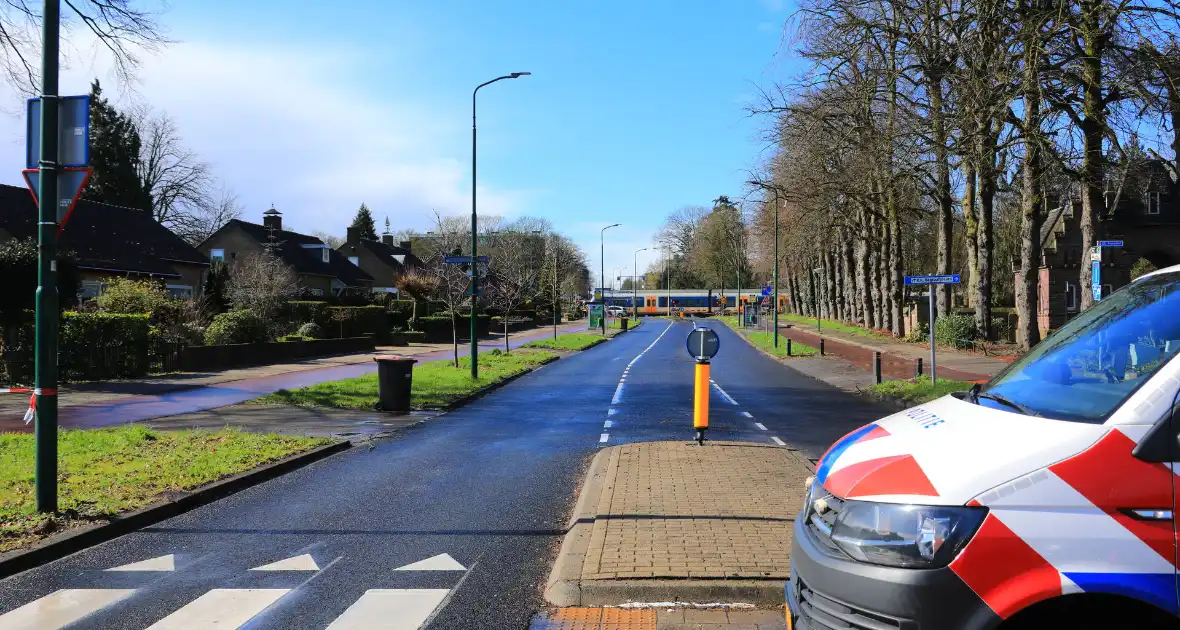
(1085, 370)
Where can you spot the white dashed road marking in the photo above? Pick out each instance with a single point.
(603, 438)
(221, 608)
(747, 414)
(778, 441)
(62, 608)
(761, 427)
(612, 411)
(724, 395)
(392, 608)
(608, 424)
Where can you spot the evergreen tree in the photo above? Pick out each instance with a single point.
(114, 156)
(364, 221)
(216, 281)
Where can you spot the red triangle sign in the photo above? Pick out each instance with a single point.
(70, 183)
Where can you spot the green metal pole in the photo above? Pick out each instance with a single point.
(776, 263)
(474, 252)
(556, 299)
(46, 343)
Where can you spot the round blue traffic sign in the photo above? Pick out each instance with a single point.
(703, 344)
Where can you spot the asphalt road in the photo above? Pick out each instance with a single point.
(490, 486)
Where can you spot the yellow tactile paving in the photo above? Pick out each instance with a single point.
(573, 619)
(618, 619)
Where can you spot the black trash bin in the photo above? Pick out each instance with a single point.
(623, 323)
(395, 378)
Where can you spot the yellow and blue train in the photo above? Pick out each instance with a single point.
(687, 300)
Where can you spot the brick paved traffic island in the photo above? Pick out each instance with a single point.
(675, 521)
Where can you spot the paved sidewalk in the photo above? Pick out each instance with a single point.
(659, 619)
(898, 358)
(674, 521)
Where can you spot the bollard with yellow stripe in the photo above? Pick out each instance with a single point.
(703, 345)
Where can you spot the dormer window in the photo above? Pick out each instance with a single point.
(1152, 203)
(326, 251)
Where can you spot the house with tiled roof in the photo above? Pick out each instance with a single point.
(320, 270)
(109, 242)
(383, 260)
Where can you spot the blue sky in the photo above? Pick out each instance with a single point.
(633, 109)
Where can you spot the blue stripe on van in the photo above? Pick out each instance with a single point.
(1158, 589)
(834, 453)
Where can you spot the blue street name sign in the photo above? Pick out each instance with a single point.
(766, 291)
(1110, 243)
(463, 260)
(946, 279)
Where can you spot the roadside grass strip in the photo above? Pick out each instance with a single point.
(435, 385)
(765, 340)
(919, 390)
(569, 341)
(632, 323)
(104, 472)
(829, 324)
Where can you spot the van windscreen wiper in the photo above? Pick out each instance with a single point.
(1028, 411)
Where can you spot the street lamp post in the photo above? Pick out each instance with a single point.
(602, 264)
(776, 264)
(634, 279)
(475, 230)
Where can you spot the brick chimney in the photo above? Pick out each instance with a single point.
(272, 219)
(408, 246)
(387, 239)
(353, 236)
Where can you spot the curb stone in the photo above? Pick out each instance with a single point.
(565, 588)
(62, 545)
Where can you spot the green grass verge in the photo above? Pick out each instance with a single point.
(618, 323)
(828, 324)
(569, 341)
(435, 384)
(104, 472)
(919, 390)
(765, 340)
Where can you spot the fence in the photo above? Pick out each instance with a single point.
(93, 362)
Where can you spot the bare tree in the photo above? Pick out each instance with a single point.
(262, 284)
(122, 27)
(209, 217)
(450, 282)
(514, 272)
(332, 240)
(179, 183)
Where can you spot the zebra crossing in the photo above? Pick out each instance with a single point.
(229, 608)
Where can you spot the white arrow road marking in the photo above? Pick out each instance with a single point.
(61, 608)
(161, 563)
(296, 563)
(441, 562)
(221, 608)
(391, 609)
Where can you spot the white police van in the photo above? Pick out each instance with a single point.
(1043, 499)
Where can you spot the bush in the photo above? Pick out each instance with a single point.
(180, 321)
(308, 311)
(1003, 330)
(97, 346)
(920, 334)
(239, 326)
(399, 313)
(956, 331)
(295, 338)
(437, 328)
(311, 330)
(123, 295)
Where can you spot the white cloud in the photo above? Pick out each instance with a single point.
(301, 128)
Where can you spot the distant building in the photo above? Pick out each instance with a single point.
(1146, 219)
(382, 260)
(321, 270)
(111, 242)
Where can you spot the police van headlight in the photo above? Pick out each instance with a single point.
(908, 536)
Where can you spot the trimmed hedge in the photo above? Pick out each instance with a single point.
(358, 321)
(303, 311)
(438, 328)
(96, 346)
(236, 327)
(957, 331)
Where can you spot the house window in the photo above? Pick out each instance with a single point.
(182, 291)
(89, 289)
(317, 292)
(355, 260)
(217, 254)
(1071, 296)
(326, 253)
(1153, 203)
